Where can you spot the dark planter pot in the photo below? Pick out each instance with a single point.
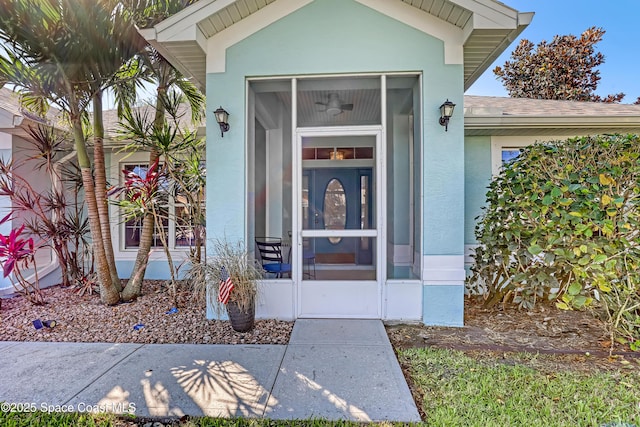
(241, 321)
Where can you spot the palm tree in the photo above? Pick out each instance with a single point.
(65, 52)
(167, 78)
(177, 154)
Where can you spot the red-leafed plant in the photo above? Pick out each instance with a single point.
(146, 194)
(55, 216)
(141, 189)
(17, 253)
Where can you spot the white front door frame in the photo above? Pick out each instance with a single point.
(353, 298)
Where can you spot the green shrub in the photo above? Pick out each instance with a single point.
(562, 224)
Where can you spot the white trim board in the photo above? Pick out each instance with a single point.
(443, 269)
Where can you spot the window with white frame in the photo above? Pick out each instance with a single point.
(509, 154)
(506, 148)
(182, 221)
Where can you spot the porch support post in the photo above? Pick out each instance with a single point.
(227, 188)
(443, 290)
(443, 272)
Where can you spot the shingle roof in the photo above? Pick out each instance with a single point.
(10, 101)
(493, 105)
(112, 122)
(492, 115)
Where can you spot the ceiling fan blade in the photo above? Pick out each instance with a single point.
(346, 107)
(320, 106)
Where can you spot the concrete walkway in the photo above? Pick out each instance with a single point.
(331, 369)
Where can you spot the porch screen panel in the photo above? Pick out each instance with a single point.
(353, 258)
(269, 165)
(403, 170)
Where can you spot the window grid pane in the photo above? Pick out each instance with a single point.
(176, 217)
(509, 154)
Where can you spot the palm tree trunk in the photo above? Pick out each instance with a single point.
(133, 289)
(101, 188)
(108, 293)
(134, 286)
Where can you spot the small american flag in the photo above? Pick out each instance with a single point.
(226, 286)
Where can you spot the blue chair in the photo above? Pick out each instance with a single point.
(270, 249)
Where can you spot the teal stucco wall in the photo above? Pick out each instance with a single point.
(477, 176)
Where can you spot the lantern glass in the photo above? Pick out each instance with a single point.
(446, 109)
(221, 115)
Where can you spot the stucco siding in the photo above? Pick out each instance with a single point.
(477, 173)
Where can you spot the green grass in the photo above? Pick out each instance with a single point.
(45, 419)
(458, 390)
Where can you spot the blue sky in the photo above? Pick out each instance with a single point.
(620, 45)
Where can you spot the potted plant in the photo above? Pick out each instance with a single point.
(233, 282)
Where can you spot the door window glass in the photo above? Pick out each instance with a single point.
(335, 208)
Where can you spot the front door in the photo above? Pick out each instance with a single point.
(338, 232)
(339, 199)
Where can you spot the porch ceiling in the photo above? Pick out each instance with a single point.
(488, 27)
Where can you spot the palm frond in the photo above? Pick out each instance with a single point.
(194, 97)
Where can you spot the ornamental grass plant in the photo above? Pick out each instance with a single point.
(242, 268)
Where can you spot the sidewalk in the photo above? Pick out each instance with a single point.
(331, 369)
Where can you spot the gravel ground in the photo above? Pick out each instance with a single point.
(85, 319)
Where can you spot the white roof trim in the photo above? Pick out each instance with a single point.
(182, 30)
(151, 35)
(544, 122)
(171, 28)
(219, 43)
(523, 20)
(490, 14)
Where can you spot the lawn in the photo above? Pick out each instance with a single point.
(492, 389)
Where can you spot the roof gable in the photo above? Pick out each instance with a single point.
(475, 32)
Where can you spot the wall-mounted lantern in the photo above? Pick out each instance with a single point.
(446, 111)
(222, 117)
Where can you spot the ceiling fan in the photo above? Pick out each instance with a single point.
(334, 105)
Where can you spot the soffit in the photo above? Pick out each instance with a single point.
(230, 15)
(489, 27)
(443, 9)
